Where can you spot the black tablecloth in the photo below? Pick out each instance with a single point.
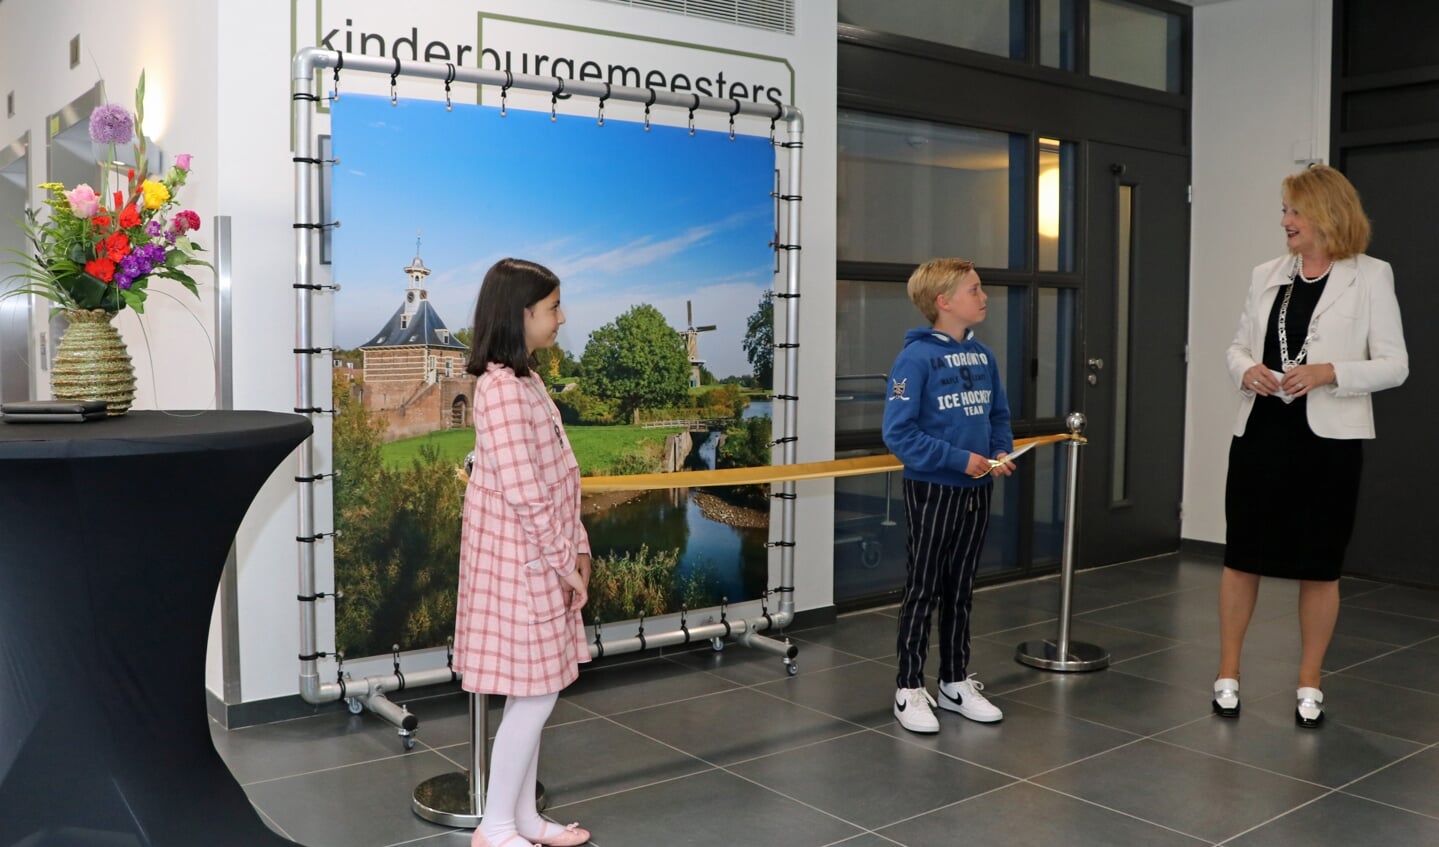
(113, 535)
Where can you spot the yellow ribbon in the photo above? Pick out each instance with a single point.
(771, 473)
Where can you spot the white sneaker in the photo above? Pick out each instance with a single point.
(913, 708)
(965, 697)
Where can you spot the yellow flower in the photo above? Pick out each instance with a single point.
(155, 194)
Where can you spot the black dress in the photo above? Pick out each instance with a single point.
(1290, 497)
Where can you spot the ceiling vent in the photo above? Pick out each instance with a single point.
(773, 15)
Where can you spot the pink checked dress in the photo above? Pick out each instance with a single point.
(521, 533)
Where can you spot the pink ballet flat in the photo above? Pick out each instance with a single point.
(514, 839)
(570, 836)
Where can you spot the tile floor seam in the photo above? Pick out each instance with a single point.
(1287, 812)
(1387, 805)
(1121, 812)
(1211, 755)
(342, 767)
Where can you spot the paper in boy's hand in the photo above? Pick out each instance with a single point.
(994, 463)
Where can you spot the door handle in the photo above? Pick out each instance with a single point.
(1096, 364)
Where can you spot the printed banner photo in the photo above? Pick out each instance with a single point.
(661, 239)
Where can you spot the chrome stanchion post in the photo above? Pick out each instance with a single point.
(1064, 654)
(458, 799)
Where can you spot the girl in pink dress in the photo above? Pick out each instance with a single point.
(524, 555)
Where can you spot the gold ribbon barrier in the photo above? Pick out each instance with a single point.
(771, 473)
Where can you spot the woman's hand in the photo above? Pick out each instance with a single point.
(579, 592)
(1261, 381)
(1305, 378)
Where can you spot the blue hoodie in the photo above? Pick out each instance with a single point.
(946, 400)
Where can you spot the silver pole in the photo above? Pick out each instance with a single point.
(1064, 654)
(458, 799)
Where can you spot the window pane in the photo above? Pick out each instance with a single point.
(990, 26)
(1133, 44)
(1055, 220)
(872, 318)
(913, 190)
(1055, 349)
(1056, 34)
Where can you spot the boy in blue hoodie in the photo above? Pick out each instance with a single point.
(945, 416)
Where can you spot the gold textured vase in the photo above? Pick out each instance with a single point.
(92, 363)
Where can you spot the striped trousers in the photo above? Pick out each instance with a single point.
(947, 526)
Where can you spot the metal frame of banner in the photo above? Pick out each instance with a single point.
(370, 691)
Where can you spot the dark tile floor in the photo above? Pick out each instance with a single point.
(705, 748)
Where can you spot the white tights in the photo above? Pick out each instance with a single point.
(514, 762)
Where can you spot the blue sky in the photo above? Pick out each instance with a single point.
(623, 216)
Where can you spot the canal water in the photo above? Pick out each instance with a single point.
(727, 561)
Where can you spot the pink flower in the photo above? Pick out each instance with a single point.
(182, 161)
(84, 202)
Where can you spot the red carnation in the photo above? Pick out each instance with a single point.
(117, 246)
(102, 269)
(100, 221)
(129, 217)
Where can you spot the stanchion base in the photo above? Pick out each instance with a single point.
(446, 800)
(1045, 655)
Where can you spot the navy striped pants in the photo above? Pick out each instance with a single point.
(947, 525)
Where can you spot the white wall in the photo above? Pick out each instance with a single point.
(224, 74)
(1261, 110)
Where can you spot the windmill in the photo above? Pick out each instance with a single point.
(691, 335)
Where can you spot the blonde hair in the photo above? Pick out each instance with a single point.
(933, 278)
(1322, 194)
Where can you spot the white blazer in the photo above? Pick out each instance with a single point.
(1355, 328)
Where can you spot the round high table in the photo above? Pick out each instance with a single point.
(113, 534)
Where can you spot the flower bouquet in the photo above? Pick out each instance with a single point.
(96, 252)
(99, 252)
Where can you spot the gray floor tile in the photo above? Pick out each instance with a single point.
(301, 746)
(900, 779)
(1400, 712)
(1339, 819)
(1194, 666)
(1407, 668)
(1408, 784)
(734, 725)
(859, 692)
(1267, 737)
(994, 616)
(636, 685)
(1028, 741)
(1383, 626)
(710, 809)
(1118, 700)
(357, 804)
(1185, 616)
(867, 634)
(1031, 816)
(1159, 783)
(1399, 600)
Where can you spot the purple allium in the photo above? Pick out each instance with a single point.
(111, 124)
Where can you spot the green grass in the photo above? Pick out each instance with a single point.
(596, 446)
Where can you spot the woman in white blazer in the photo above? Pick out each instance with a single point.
(1320, 332)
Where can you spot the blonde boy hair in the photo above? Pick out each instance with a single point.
(1329, 201)
(933, 278)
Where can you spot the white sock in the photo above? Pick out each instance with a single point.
(514, 759)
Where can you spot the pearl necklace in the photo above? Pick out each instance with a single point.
(1299, 270)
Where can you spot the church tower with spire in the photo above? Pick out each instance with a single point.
(414, 367)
